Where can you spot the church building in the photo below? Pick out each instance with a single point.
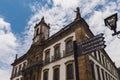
(52, 57)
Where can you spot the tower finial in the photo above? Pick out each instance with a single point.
(78, 16)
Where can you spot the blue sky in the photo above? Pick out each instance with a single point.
(16, 12)
(18, 17)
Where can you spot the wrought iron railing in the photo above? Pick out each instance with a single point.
(46, 61)
(68, 52)
(56, 57)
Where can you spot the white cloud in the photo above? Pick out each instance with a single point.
(65, 4)
(7, 40)
(8, 46)
(96, 22)
(58, 15)
(4, 74)
(62, 13)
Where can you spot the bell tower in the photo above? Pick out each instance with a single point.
(41, 32)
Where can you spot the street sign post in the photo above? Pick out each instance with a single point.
(85, 47)
(91, 45)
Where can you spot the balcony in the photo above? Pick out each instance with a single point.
(56, 57)
(20, 73)
(68, 52)
(17, 74)
(46, 61)
(32, 64)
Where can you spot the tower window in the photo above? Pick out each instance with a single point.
(37, 31)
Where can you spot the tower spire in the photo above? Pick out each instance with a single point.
(41, 32)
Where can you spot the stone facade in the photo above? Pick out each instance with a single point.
(40, 62)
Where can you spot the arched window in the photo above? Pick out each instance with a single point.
(57, 51)
(15, 70)
(69, 46)
(103, 76)
(37, 31)
(47, 56)
(33, 78)
(92, 69)
(56, 72)
(98, 72)
(69, 70)
(24, 65)
(45, 74)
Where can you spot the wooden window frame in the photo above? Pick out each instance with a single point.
(24, 65)
(55, 67)
(73, 68)
(99, 55)
(47, 52)
(103, 59)
(106, 76)
(37, 31)
(98, 72)
(33, 77)
(103, 76)
(67, 40)
(20, 66)
(46, 70)
(92, 70)
(95, 54)
(57, 46)
(16, 70)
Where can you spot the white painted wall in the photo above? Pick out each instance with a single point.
(18, 77)
(60, 62)
(62, 45)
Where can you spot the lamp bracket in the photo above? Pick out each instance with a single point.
(116, 33)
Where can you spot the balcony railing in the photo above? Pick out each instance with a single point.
(56, 57)
(32, 64)
(68, 52)
(46, 61)
(17, 74)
